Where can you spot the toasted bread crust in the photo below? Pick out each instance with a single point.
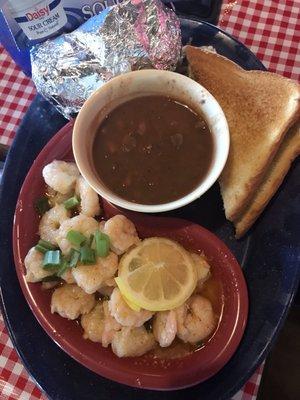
(288, 151)
(260, 107)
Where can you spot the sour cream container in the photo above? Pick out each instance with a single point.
(38, 18)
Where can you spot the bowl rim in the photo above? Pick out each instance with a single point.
(203, 185)
(149, 381)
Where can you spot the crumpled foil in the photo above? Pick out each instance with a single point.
(134, 34)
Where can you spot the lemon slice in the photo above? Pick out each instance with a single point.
(157, 275)
(133, 306)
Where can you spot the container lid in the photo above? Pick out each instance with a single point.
(16, 6)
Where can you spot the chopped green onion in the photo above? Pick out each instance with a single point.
(72, 202)
(102, 248)
(90, 241)
(102, 244)
(41, 249)
(63, 268)
(75, 237)
(47, 245)
(51, 278)
(52, 259)
(87, 255)
(74, 258)
(43, 246)
(42, 205)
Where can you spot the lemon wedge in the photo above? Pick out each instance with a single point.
(157, 275)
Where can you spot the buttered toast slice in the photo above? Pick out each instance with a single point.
(259, 107)
(279, 167)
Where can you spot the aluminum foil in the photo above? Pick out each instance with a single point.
(134, 34)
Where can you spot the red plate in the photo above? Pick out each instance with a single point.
(145, 371)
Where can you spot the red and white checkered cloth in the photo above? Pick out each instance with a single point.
(16, 93)
(271, 29)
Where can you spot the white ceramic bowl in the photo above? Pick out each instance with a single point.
(137, 84)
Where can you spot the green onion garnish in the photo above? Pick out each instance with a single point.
(52, 259)
(40, 248)
(51, 278)
(74, 258)
(87, 255)
(72, 202)
(43, 246)
(90, 241)
(102, 244)
(75, 237)
(102, 248)
(47, 245)
(42, 205)
(63, 267)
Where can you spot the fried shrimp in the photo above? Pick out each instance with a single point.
(89, 199)
(51, 222)
(93, 323)
(165, 327)
(92, 277)
(195, 319)
(121, 311)
(132, 342)
(99, 325)
(61, 175)
(122, 233)
(81, 223)
(34, 266)
(70, 301)
(202, 268)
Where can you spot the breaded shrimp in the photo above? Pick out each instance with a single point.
(92, 277)
(89, 199)
(61, 175)
(121, 311)
(70, 301)
(93, 323)
(34, 266)
(122, 233)
(202, 268)
(165, 327)
(195, 319)
(99, 325)
(132, 342)
(51, 222)
(81, 223)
